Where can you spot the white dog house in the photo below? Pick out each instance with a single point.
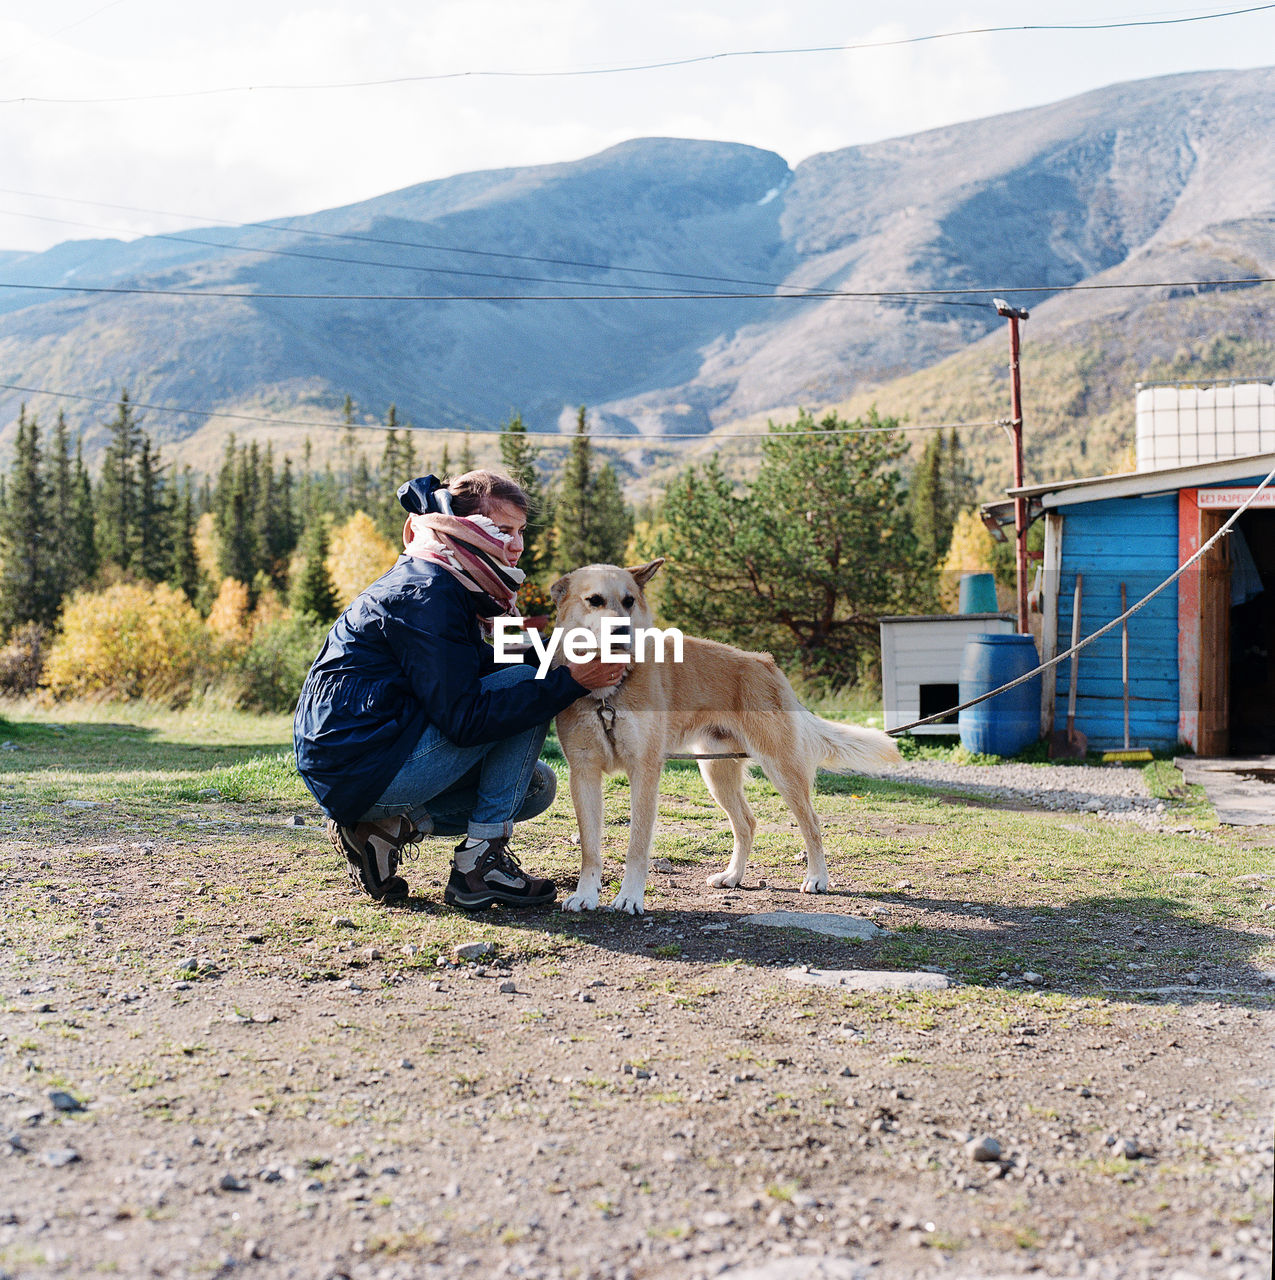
(921, 664)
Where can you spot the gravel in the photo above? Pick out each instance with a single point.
(1114, 791)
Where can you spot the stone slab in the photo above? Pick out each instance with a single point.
(870, 979)
(1241, 790)
(834, 926)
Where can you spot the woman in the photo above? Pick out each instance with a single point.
(406, 725)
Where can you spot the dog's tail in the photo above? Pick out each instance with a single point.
(845, 748)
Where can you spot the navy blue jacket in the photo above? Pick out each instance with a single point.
(407, 653)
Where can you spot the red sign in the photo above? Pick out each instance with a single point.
(1229, 499)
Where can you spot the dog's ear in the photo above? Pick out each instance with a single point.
(559, 588)
(645, 572)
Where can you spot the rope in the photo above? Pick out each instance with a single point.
(1115, 622)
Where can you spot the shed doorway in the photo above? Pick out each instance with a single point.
(1237, 637)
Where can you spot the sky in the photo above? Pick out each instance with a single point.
(228, 122)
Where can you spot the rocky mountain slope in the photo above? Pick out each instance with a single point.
(1161, 180)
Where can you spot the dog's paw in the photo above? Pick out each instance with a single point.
(630, 901)
(724, 880)
(815, 884)
(581, 900)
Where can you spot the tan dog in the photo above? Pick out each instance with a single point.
(718, 699)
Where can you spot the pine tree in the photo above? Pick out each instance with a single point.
(67, 567)
(312, 591)
(184, 567)
(152, 553)
(519, 456)
(592, 524)
(571, 508)
(80, 529)
(445, 465)
(117, 490)
(28, 592)
(466, 455)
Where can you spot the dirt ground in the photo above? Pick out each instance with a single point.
(275, 1079)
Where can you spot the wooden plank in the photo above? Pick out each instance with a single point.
(1188, 622)
(1051, 575)
(1215, 638)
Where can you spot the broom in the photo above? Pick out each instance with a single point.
(1128, 753)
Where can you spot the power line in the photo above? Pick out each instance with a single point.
(665, 64)
(558, 436)
(852, 295)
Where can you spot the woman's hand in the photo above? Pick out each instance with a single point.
(596, 674)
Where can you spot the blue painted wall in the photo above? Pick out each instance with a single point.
(1134, 541)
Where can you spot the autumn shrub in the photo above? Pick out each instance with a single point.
(230, 619)
(22, 659)
(357, 556)
(274, 665)
(131, 640)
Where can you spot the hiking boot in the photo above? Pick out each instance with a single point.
(372, 851)
(496, 877)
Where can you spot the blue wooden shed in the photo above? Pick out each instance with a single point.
(1202, 653)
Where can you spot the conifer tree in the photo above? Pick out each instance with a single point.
(184, 568)
(592, 524)
(466, 455)
(519, 456)
(312, 592)
(28, 592)
(68, 566)
(116, 525)
(152, 554)
(80, 529)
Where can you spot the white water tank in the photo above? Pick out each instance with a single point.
(1183, 423)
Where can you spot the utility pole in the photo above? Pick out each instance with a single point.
(1014, 315)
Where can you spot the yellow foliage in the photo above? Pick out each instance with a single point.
(208, 548)
(132, 640)
(970, 552)
(357, 556)
(269, 609)
(230, 617)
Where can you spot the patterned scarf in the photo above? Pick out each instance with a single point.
(471, 549)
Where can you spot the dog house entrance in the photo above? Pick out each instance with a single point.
(939, 697)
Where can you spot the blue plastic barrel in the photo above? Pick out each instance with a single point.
(977, 593)
(1006, 724)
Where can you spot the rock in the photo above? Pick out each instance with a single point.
(869, 979)
(472, 950)
(905, 884)
(76, 806)
(9, 746)
(372, 953)
(343, 922)
(406, 1065)
(63, 1101)
(60, 1157)
(662, 864)
(255, 938)
(716, 1218)
(835, 926)
(410, 949)
(189, 965)
(14, 1142)
(983, 1150)
(1033, 979)
(584, 997)
(508, 988)
(295, 821)
(1129, 1148)
(209, 793)
(230, 1183)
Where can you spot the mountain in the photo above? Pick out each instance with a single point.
(1160, 180)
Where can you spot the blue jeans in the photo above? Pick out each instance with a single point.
(478, 791)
